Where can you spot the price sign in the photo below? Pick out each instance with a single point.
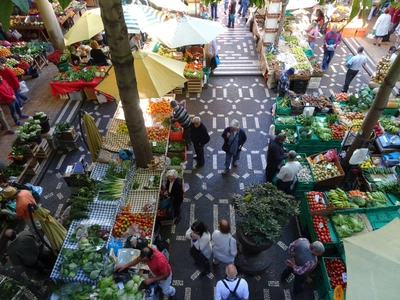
(321, 225)
(317, 198)
(120, 285)
(344, 277)
(329, 166)
(154, 144)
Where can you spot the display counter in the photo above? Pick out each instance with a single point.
(62, 88)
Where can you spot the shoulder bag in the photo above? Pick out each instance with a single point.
(226, 146)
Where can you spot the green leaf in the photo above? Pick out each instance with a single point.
(6, 8)
(64, 3)
(22, 4)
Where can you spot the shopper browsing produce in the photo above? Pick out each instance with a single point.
(201, 247)
(181, 116)
(303, 259)
(12, 80)
(159, 267)
(234, 138)
(312, 34)
(275, 155)
(8, 96)
(331, 40)
(288, 173)
(283, 85)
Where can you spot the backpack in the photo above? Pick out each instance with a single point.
(232, 294)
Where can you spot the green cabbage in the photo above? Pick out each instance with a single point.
(355, 223)
(344, 231)
(339, 219)
(360, 201)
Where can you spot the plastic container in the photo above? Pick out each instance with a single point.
(280, 110)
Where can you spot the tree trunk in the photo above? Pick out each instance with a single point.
(117, 37)
(376, 109)
(281, 22)
(51, 23)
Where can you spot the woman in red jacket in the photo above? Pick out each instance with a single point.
(8, 97)
(12, 80)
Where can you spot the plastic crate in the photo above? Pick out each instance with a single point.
(308, 149)
(327, 284)
(379, 219)
(303, 185)
(291, 146)
(284, 126)
(282, 111)
(335, 239)
(390, 111)
(308, 52)
(176, 135)
(310, 141)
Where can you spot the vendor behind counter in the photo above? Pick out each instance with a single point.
(282, 88)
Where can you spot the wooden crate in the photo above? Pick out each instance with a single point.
(68, 135)
(90, 93)
(194, 86)
(177, 91)
(33, 168)
(43, 150)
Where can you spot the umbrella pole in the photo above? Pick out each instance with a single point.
(31, 209)
(81, 113)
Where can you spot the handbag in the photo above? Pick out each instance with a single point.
(217, 61)
(16, 34)
(226, 146)
(164, 204)
(232, 16)
(198, 256)
(170, 210)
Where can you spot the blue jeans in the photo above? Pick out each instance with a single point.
(312, 45)
(243, 7)
(19, 96)
(14, 108)
(214, 10)
(231, 21)
(166, 287)
(328, 55)
(228, 159)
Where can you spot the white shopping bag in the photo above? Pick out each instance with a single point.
(23, 87)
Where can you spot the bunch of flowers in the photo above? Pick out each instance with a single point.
(41, 116)
(59, 56)
(30, 129)
(16, 154)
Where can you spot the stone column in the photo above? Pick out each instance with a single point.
(51, 23)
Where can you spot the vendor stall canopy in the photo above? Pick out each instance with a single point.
(138, 17)
(373, 264)
(177, 5)
(155, 75)
(185, 30)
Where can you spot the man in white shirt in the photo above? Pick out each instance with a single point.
(354, 65)
(231, 284)
(287, 173)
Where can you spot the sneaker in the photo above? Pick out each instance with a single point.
(25, 101)
(226, 171)
(18, 123)
(24, 116)
(10, 131)
(21, 108)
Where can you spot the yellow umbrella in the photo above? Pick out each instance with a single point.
(53, 230)
(156, 76)
(87, 26)
(93, 136)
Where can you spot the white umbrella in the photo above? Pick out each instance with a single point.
(184, 31)
(177, 5)
(137, 17)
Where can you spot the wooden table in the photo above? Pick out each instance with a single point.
(40, 61)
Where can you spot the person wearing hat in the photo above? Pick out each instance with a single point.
(354, 65)
(283, 85)
(288, 173)
(23, 199)
(303, 259)
(234, 137)
(180, 115)
(275, 155)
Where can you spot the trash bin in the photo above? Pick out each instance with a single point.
(206, 72)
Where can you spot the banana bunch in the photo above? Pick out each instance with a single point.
(367, 163)
(378, 197)
(338, 198)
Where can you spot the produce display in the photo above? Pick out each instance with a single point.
(176, 146)
(161, 106)
(324, 170)
(141, 222)
(157, 133)
(304, 174)
(335, 268)
(18, 71)
(338, 198)
(87, 74)
(315, 200)
(108, 289)
(4, 51)
(367, 163)
(158, 146)
(291, 39)
(340, 96)
(166, 52)
(282, 120)
(122, 128)
(310, 99)
(382, 67)
(388, 124)
(306, 132)
(304, 120)
(296, 101)
(322, 229)
(269, 56)
(284, 102)
(299, 55)
(110, 187)
(362, 101)
(324, 101)
(317, 71)
(8, 288)
(322, 131)
(338, 131)
(291, 135)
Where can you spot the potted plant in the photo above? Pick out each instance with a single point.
(262, 211)
(19, 149)
(60, 59)
(64, 131)
(44, 121)
(30, 131)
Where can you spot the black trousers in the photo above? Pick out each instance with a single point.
(199, 149)
(349, 77)
(270, 172)
(299, 280)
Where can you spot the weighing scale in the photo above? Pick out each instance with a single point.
(386, 141)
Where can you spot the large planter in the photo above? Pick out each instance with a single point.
(45, 125)
(37, 139)
(63, 67)
(252, 258)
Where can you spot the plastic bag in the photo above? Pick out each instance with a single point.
(23, 87)
(330, 155)
(358, 156)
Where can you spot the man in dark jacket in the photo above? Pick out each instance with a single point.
(235, 138)
(181, 116)
(275, 155)
(199, 136)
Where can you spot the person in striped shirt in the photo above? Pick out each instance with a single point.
(181, 116)
(303, 259)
